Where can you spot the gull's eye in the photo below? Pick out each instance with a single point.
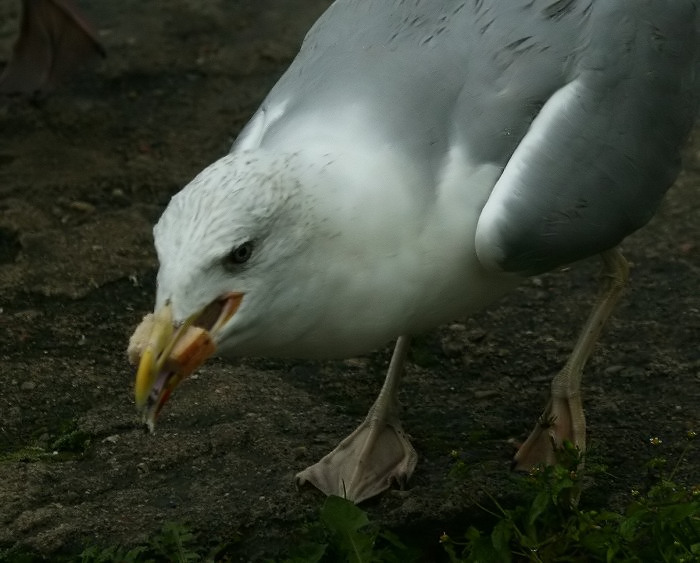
(240, 254)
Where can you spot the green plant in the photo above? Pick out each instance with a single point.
(175, 543)
(74, 441)
(345, 533)
(70, 443)
(662, 523)
(94, 554)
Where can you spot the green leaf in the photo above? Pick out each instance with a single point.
(348, 523)
(396, 550)
(175, 543)
(628, 527)
(500, 538)
(538, 506)
(481, 550)
(308, 553)
(114, 554)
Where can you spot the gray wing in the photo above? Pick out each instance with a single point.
(601, 153)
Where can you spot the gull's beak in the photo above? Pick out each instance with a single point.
(167, 353)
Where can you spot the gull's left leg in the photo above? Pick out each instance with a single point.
(376, 454)
(563, 417)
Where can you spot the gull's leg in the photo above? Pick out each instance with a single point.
(376, 454)
(563, 417)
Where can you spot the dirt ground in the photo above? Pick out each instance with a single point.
(85, 172)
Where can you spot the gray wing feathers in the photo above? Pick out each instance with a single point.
(603, 150)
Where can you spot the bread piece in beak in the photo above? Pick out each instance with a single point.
(167, 353)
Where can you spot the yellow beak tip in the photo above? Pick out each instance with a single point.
(144, 378)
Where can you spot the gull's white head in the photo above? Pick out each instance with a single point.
(228, 245)
(234, 228)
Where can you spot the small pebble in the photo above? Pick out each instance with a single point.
(357, 363)
(82, 206)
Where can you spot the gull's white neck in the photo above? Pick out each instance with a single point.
(392, 245)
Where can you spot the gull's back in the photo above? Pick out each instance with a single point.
(583, 104)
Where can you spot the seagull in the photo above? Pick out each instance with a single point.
(417, 161)
(54, 39)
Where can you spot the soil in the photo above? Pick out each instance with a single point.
(84, 174)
